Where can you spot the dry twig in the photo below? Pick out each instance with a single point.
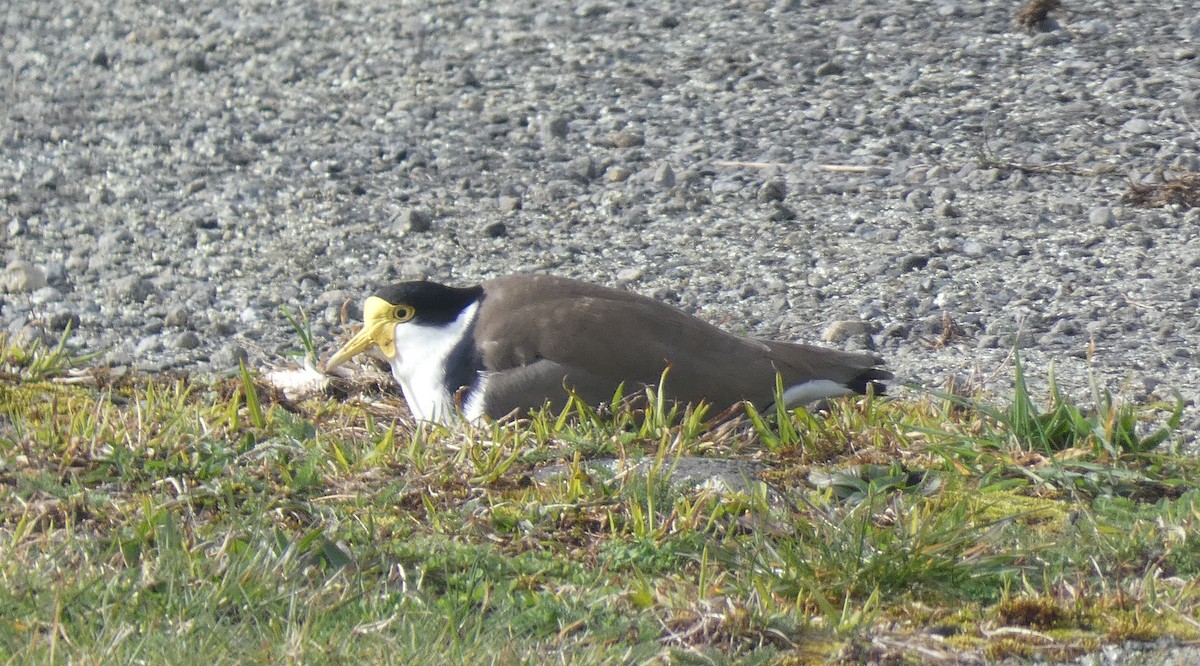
(1184, 190)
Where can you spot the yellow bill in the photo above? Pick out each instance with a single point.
(379, 329)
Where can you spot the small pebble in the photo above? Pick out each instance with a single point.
(46, 295)
(187, 340)
(228, 356)
(828, 69)
(1101, 216)
(28, 335)
(60, 321)
(988, 342)
(416, 220)
(554, 127)
(782, 213)
(177, 316)
(133, 289)
(842, 329)
(664, 176)
(772, 190)
(918, 200)
(628, 275)
(23, 277)
(1136, 126)
(943, 194)
(148, 345)
(592, 10)
(974, 249)
(913, 262)
(629, 138)
(617, 174)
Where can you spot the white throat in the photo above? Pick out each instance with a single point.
(420, 365)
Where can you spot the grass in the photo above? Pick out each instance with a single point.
(159, 519)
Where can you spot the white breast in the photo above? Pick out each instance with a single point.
(420, 361)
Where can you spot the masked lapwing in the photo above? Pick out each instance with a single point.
(519, 342)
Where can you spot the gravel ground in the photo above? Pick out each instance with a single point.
(173, 173)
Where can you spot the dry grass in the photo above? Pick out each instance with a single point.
(1032, 17)
(1182, 191)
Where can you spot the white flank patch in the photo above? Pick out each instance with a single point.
(474, 408)
(420, 365)
(818, 389)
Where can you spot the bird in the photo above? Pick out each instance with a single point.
(520, 342)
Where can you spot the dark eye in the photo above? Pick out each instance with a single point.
(403, 313)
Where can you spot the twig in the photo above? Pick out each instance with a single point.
(1067, 168)
(749, 165)
(850, 168)
(1187, 119)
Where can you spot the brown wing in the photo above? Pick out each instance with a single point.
(598, 337)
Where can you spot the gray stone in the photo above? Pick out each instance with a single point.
(781, 213)
(727, 185)
(943, 194)
(554, 127)
(1064, 327)
(949, 10)
(913, 262)
(114, 242)
(28, 336)
(988, 342)
(221, 327)
(918, 200)
(1101, 216)
(629, 138)
(178, 316)
(828, 68)
(1136, 126)
(974, 249)
(772, 190)
(664, 176)
(839, 330)
(495, 230)
(147, 346)
(133, 289)
(508, 204)
(581, 168)
(229, 356)
(415, 220)
(62, 320)
(46, 295)
(592, 10)
(22, 277)
(628, 275)
(617, 174)
(187, 340)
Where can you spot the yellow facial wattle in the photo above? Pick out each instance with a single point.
(379, 329)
